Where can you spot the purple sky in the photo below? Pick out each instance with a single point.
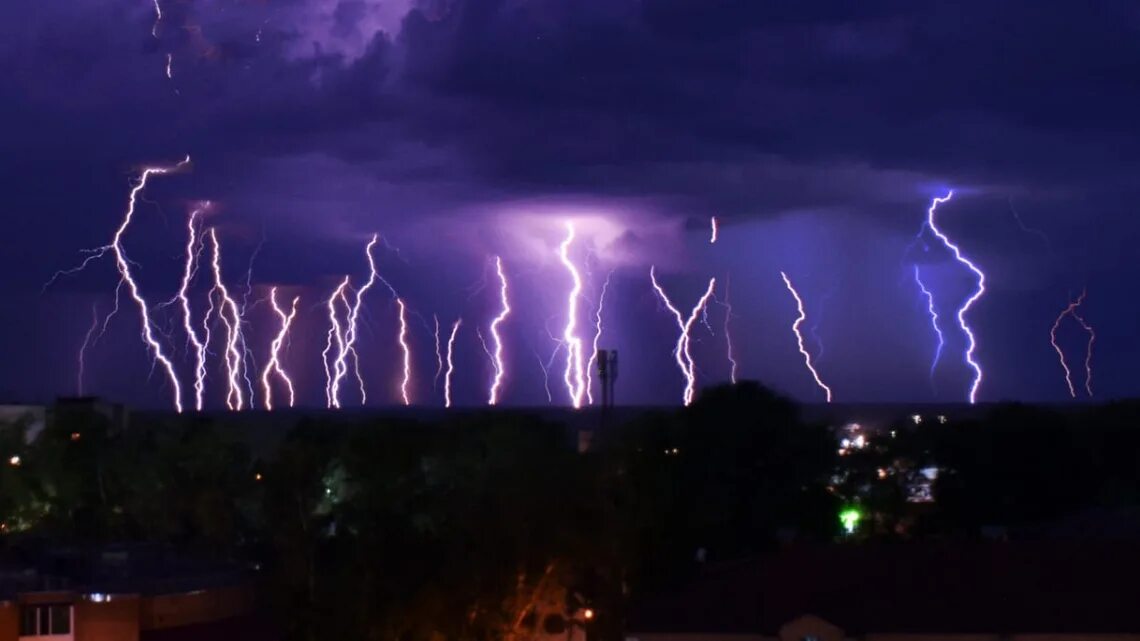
(460, 129)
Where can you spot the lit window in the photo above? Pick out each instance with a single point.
(45, 620)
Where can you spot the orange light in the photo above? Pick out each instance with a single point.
(75, 436)
(257, 477)
(588, 614)
(14, 461)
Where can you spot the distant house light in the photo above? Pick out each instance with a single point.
(917, 418)
(14, 461)
(98, 597)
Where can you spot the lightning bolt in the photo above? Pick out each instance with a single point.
(336, 332)
(933, 321)
(728, 335)
(193, 248)
(407, 350)
(1071, 310)
(574, 375)
(713, 226)
(233, 360)
(1088, 352)
(157, 19)
(349, 342)
(800, 338)
(681, 352)
(274, 364)
(450, 363)
(169, 66)
(965, 308)
(438, 355)
(504, 311)
(123, 264)
(86, 342)
(597, 337)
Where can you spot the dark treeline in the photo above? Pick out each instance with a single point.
(482, 526)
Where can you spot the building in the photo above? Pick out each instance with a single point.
(1046, 591)
(124, 593)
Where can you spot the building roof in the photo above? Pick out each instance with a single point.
(997, 588)
(112, 569)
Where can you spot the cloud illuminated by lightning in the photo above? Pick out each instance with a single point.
(274, 364)
(681, 352)
(407, 351)
(234, 359)
(932, 310)
(965, 308)
(597, 337)
(504, 311)
(450, 363)
(574, 376)
(800, 338)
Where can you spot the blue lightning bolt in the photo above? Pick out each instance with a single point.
(933, 322)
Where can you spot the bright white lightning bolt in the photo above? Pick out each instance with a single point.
(800, 338)
(193, 248)
(681, 352)
(714, 229)
(407, 350)
(274, 364)
(504, 311)
(350, 332)
(597, 337)
(574, 376)
(123, 264)
(965, 308)
(933, 311)
(233, 360)
(336, 332)
(450, 363)
(157, 19)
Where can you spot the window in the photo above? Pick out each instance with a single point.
(45, 620)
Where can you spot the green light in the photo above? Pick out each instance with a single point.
(850, 518)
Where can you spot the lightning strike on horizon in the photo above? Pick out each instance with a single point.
(714, 229)
(965, 308)
(597, 337)
(504, 311)
(1088, 354)
(1073, 305)
(274, 364)
(350, 331)
(450, 363)
(83, 347)
(234, 360)
(727, 335)
(335, 332)
(193, 249)
(438, 355)
(681, 352)
(407, 350)
(574, 376)
(123, 265)
(932, 310)
(800, 338)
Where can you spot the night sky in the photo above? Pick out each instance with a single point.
(817, 133)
